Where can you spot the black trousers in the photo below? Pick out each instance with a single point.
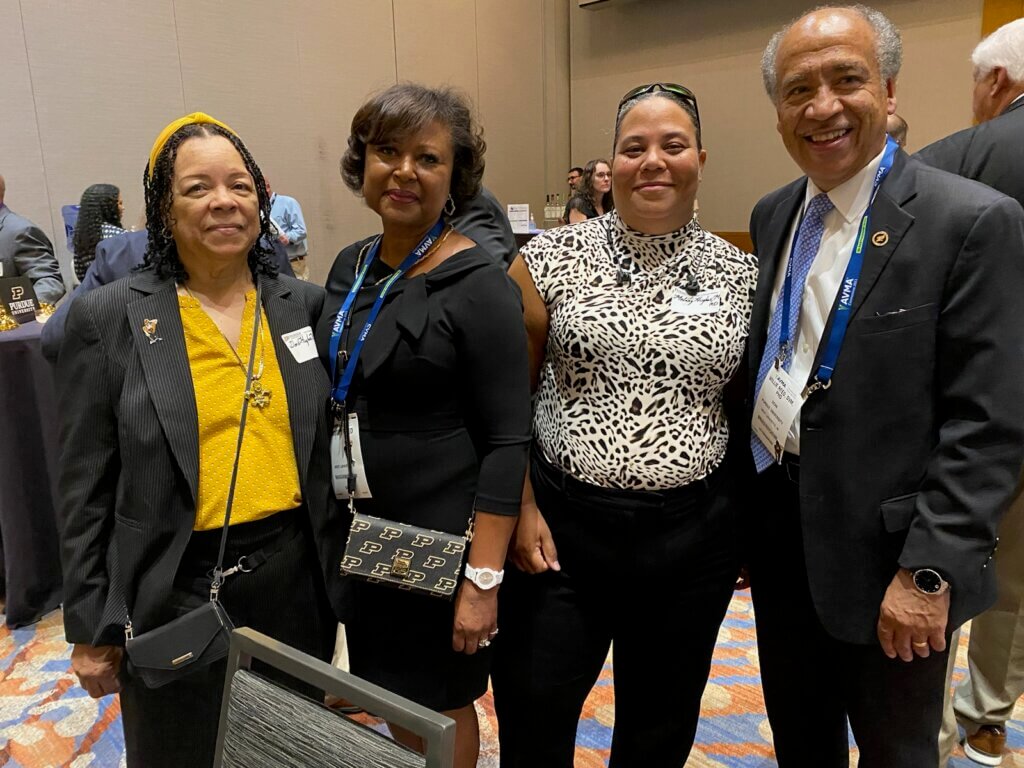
(813, 683)
(285, 598)
(651, 573)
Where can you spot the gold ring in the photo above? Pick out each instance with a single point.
(920, 645)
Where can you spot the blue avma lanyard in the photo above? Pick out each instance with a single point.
(344, 316)
(847, 290)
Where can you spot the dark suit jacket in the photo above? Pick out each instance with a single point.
(483, 221)
(130, 446)
(991, 152)
(26, 251)
(910, 457)
(116, 257)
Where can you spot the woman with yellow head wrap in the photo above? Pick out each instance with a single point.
(153, 374)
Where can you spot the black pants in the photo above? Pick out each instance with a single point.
(176, 725)
(813, 683)
(652, 573)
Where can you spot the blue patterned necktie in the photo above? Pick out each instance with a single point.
(808, 238)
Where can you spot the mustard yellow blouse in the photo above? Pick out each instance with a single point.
(268, 477)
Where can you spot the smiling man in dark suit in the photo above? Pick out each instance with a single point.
(887, 405)
(992, 152)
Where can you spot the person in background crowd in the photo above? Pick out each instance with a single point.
(483, 220)
(888, 415)
(26, 251)
(897, 127)
(992, 152)
(150, 381)
(573, 178)
(286, 216)
(441, 396)
(593, 196)
(636, 322)
(99, 218)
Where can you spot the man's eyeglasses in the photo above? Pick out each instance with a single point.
(683, 93)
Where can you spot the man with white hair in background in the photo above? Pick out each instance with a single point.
(992, 152)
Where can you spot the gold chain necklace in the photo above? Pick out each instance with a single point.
(259, 395)
(433, 247)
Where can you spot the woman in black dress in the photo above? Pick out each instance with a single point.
(441, 393)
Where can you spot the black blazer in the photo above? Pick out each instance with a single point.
(991, 152)
(130, 445)
(910, 457)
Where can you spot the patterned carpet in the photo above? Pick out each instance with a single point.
(47, 721)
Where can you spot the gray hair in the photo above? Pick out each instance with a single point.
(888, 45)
(626, 108)
(1003, 48)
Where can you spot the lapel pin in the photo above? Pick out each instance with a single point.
(149, 328)
(880, 238)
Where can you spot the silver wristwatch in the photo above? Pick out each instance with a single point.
(485, 578)
(928, 581)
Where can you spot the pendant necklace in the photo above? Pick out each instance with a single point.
(691, 272)
(259, 395)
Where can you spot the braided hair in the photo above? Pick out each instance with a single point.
(97, 207)
(161, 251)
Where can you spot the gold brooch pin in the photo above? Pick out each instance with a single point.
(880, 238)
(149, 328)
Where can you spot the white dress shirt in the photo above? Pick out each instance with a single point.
(850, 199)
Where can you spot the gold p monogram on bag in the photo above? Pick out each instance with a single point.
(400, 566)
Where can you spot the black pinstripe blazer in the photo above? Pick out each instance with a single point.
(130, 445)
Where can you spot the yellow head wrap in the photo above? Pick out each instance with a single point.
(171, 129)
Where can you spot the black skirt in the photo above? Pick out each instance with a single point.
(402, 641)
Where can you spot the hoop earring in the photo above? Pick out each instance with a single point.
(449, 206)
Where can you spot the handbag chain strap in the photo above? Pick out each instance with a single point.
(218, 572)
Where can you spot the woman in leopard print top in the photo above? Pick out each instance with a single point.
(627, 533)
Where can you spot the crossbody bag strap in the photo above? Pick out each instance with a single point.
(218, 571)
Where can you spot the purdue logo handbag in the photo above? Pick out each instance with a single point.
(405, 556)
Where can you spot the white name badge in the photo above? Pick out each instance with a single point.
(703, 303)
(300, 344)
(339, 460)
(777, 406)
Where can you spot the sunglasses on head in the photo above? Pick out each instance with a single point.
(683, 93)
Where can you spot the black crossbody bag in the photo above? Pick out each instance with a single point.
(203, 635)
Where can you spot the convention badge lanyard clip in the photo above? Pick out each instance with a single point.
(848, 288)
(346, 425)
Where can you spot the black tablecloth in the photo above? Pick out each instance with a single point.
(29, 549)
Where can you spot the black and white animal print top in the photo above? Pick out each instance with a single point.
(630, 393)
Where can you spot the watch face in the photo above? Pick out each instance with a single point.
(484, 578)
(927, 580)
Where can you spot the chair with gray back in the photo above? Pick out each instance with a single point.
(264, 725)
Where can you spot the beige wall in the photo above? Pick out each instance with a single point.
(714, 47)
(87, 86)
